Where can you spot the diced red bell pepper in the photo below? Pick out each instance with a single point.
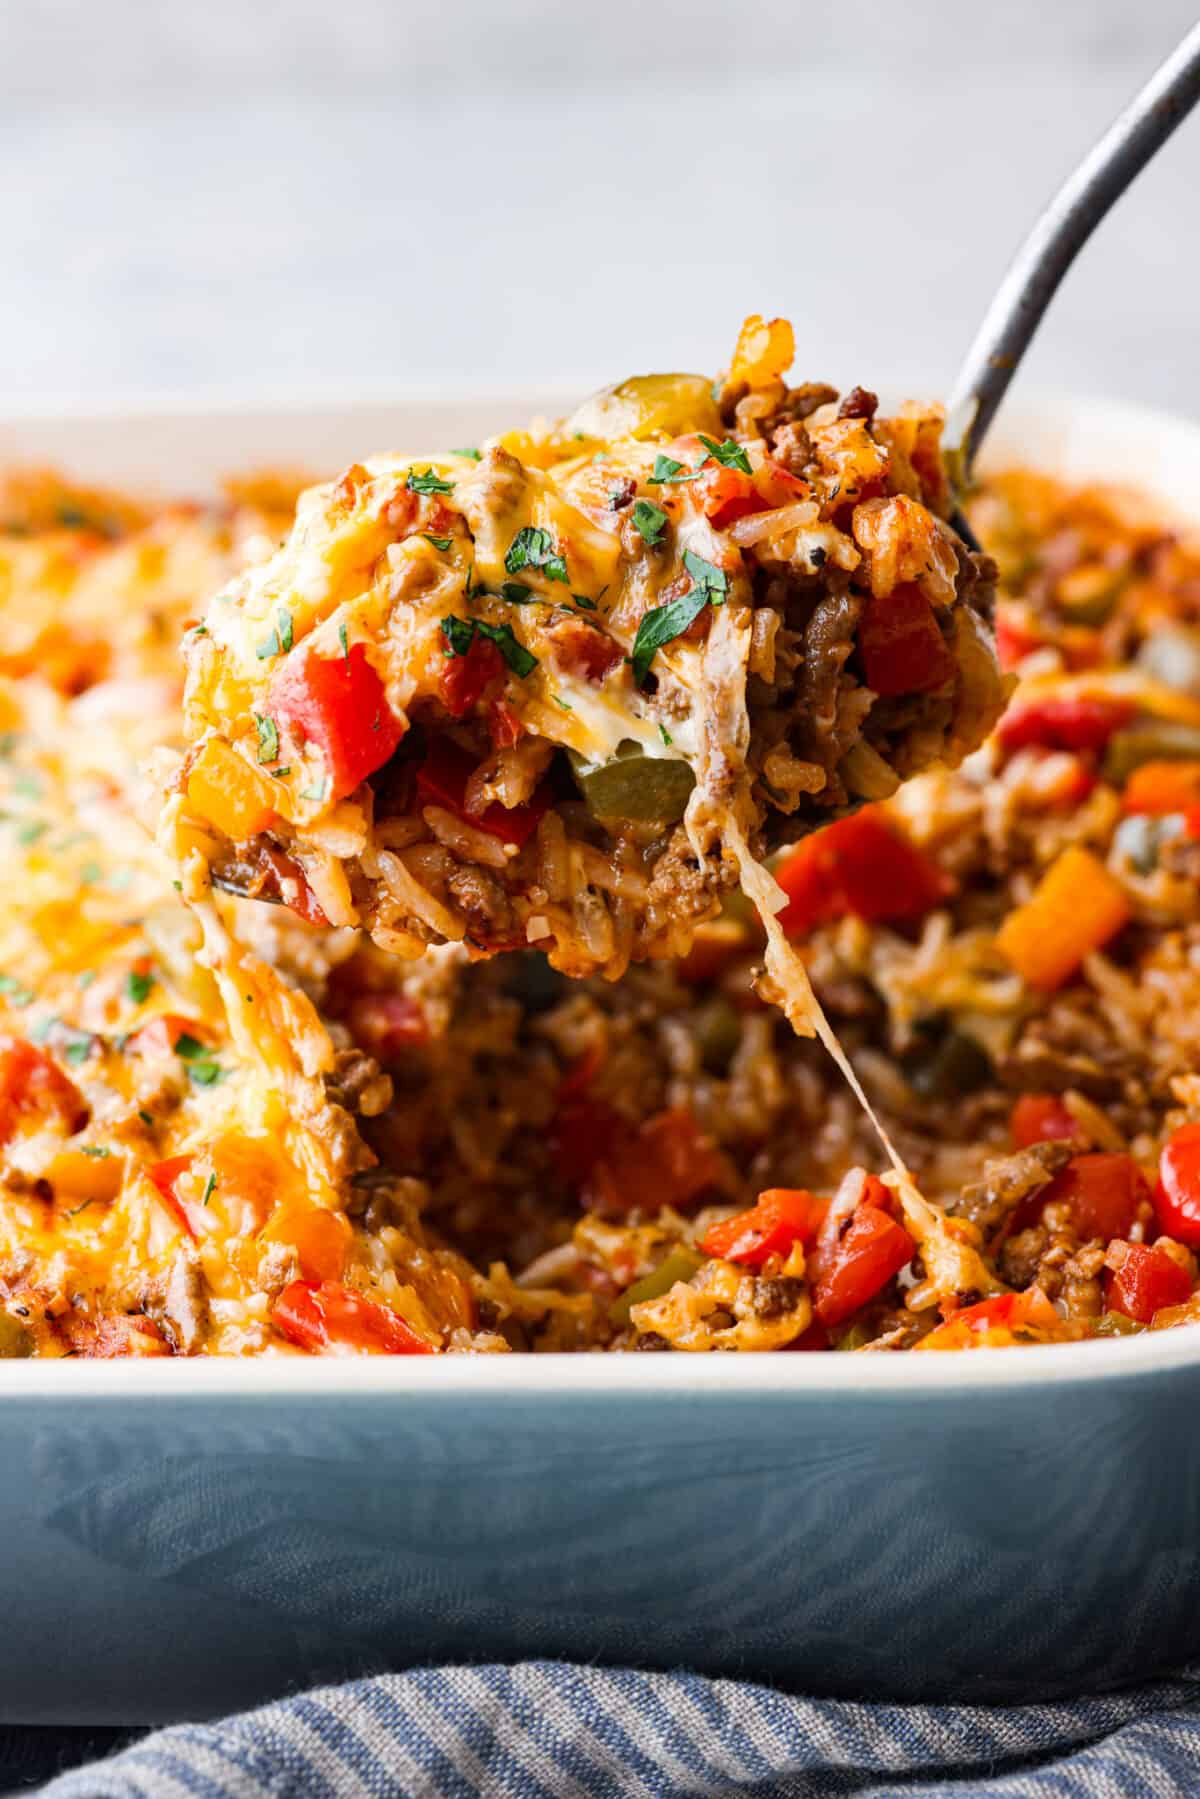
(872, 1249)
(463, 680)
(1064, 722)
(782, 1217)
(1147, 1280)
(726, 494)
(164, 1175)
(338, 703)
(1177, 1195)
(901, 644)
(1103, 1191)
(33, 1085)
(1013, 640)
(1041, 1118)
(442, 781)
(583, 651)
(667, 1161)
(291, 884)
(862, 866)
(386, 1024)
(327, 1318)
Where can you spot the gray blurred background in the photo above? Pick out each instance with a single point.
(257, 193)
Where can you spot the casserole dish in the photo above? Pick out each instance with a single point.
(193, 1539)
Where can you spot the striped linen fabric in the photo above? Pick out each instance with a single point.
(549, 1730)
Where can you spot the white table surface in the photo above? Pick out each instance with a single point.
(266, 195)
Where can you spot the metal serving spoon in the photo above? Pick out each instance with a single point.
(1052, 246)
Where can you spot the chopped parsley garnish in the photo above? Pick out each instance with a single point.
(76, 1210)
(15, 991)
(138, 985)
(78, 1047)
(317, 791)
(210, 1186)
(199, 1058)
(439, 543)
(90, 873)
(94, 1150)
(559, 701)
(706, 575)
(728, 454)
(31, 830)
(460, 634)
(8, 742)
(281, 638)
(87, 977)
(669, 472)
(147, 1119)
(268, 738)
(663, 625)
(533, 547)
(582, 600)
(665, 735)
(650, 520)
(516, 593)
(282, 773)
(426, 481)
(344, 640)
(475, 455)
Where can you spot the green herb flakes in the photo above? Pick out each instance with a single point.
(14, 991)
(344, 640)
(268, 738)
(706, 575)
(439, 543)
(97, 1154)
(662, 625)
(728, 454)
(651, 520)
(138, 986)
(475, 455)
(533, 547)
(425, 481)
(210, 1187)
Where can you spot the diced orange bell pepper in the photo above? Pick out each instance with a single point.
(1163, 787)
(226, 791)
(996, 1323)
(320, 1238)
(1076, 908)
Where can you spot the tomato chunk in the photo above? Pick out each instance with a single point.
(442, 781)
(872, 1249)
(32, 1085)
(1064, 722)
(1103, 1191)
(1146, 1280)
(327, 1318)
(862, 866)
(1177, 1195)
(782, 1217)
(901, 644)
(338, 703)
(1041, 1118)
(464, 679)
(386, 1023)
(667, 1161)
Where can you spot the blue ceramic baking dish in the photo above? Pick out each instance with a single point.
(182, 1538)
(190, 1537)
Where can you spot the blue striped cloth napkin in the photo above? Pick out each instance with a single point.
(550, 1730)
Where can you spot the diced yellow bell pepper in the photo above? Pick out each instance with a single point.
(229, 793)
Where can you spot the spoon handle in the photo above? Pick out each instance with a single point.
(1052, 246)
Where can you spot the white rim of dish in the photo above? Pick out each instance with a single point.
(1059, 416)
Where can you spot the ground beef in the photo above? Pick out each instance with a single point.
(859, 403)
(1007, 1181)
(484, 902)
(772, 1298)
(828, 642)
(359, 1084)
